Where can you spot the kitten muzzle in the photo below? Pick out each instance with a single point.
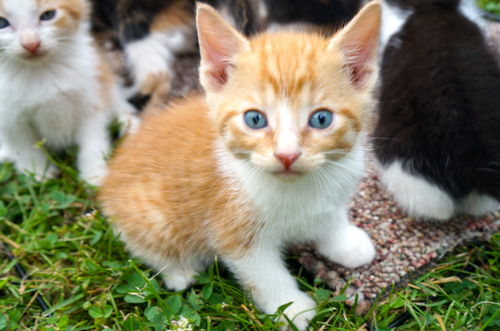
(287, 159)
(32, 47)
(30, 40)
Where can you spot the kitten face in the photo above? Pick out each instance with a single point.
(288, 103)
(278, 110)
(32, 29)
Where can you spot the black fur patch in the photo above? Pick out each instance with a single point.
(241, 11)
(439, 110)
(321, 12)
(139, 101)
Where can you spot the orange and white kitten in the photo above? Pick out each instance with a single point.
(54, 87)
(268, 157)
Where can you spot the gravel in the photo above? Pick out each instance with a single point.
(405, 247)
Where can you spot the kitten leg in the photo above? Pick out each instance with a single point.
(177, 273)
(151, 60)
(345, 243)
(93, 140)
(262, 272)
(478, 204)
(18, 146)
(150, 64)
(416, 195)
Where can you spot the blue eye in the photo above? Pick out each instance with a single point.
(321, 119)
(48, 15)
(255, 119)
(3, 23)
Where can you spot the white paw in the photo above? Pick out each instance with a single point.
(478, 204)
(352, 248)
(178, 280)
(50, 172)
(41, 170)
(5, 155)
(94, 176)
(300, 313)
(129, 123)
(420, 198)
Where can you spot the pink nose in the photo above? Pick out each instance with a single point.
(32, 46)
(287, 159)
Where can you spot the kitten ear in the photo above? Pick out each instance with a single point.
(358, 42)
(219, 43)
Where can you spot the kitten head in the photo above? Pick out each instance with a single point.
(288, 103)
(32, 29)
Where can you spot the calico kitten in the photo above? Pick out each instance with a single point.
(437, 137)
(269, 156)
(152, 32)
(54, 87)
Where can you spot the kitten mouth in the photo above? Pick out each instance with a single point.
(33, 56)
(287, 173)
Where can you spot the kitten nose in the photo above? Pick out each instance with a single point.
(287, 159)
(32, 46)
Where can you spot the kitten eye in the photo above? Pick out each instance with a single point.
(48, 15)
(321, 119)
(254, 119)
(3, 23)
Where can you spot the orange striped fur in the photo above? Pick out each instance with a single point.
(175, 190)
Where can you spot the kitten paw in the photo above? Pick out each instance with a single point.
(158, 83)
(478, 204)
(94, 179)
(420, 198)
(352, 248)
(300, 313)
(41, 175)
(94, 172)
(129, 123)
(5, 155)
(178, 280)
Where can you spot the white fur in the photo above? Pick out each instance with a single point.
(469, 9)
(155, 54)
(393, 18)
(55, 98)
(416, 195)
(478, 204)
(309, 208)
(287, 140)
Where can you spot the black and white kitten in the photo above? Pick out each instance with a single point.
(438, 132)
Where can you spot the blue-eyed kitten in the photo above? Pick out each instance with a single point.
(269, 156)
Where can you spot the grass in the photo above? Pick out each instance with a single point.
(492, 6)
(89, 282)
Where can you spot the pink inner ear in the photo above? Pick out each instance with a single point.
(219, 44)
(359, 61)
(218, 63)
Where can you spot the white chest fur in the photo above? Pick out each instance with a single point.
(291, 210)
(52, 95)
